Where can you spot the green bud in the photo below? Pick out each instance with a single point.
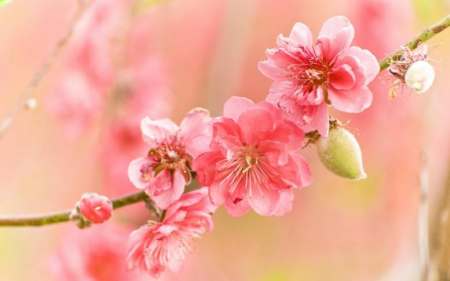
(341, 154)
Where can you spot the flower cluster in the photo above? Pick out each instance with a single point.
(248, 158)
(156, 247)
(309, 76)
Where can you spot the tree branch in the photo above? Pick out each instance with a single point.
(67, 215)
(424, 36)
(43, 69)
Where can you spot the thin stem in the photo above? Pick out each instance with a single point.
(43, 69)
(424, 36)
(67, 215)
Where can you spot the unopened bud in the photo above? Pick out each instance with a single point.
(420, 76)
(95, 208)
(341, 154)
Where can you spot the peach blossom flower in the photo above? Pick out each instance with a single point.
(95, 207)
(253, 160)
(155, 248)
(144, 92)
(307, 76)
(75, 102)
(166, 170)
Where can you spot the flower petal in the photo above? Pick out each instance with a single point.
(235, 105)
(166, 188)
(367, 60)
(351, 101)
(256, 124)
(139, 172)
(342, 78)
(337, 34)
(301, 35)
(271, 70)
(155, 131)
(196, 131)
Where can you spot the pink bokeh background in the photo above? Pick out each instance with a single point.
(206, 51)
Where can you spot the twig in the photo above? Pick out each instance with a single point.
(43, 70)
(67, 215)
(424, 36)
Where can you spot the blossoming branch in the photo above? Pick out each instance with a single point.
(247, 159)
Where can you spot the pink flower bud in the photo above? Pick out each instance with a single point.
(95, 208)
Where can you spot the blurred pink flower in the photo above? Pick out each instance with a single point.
(95, 207)
(94, 254)
(90, 47)
(254, 159)
(89, 73)
(75, 102)
(166, 170)
(145, 92)
(158, 247)
(308, 76)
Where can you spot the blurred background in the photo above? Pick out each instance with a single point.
(162, 58)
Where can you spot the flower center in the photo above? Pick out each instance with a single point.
(171, 156)
(250, 157)
(311, 72)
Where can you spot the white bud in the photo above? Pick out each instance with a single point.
(341, 154)
(420, 76)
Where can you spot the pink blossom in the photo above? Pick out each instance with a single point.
(166, 170)
(162, 246)
(76, 102)
(96, 208)
(309, 75)
(94, 254)
(254, 159)
(143, 92)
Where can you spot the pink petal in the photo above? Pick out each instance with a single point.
(280, 89)
(285, 202)
(337, 34)
(301, 35)
(135, 172)
(342, 78)
(263, 199)
(320, 120)
(217, 193)
(235, 105)
(196, 131)
(280, 57)
(155, 131)
(205, 166)
(351, 101)
(271, 70)
(237, 208)
(166, 188)
(226, 134)
(368, 61)
(297, 171)
(255, 124)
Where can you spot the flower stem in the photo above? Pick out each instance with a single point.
(67, 215)
(424, 36)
